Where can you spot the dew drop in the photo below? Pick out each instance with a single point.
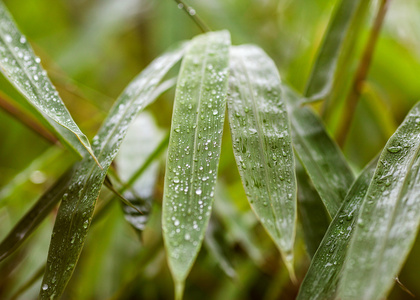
(394, 149)
(176, 179)
(22, 40)
(176, 222)
(198, 192)
(37, 60)
(45, 287)
(36, 77)
(187, 237)
(215, 112)
(8, 38)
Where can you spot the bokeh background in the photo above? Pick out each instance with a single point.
(93, 48)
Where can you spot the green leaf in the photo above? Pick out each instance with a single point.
(322, 76)
(318, 153)
(312, 213)
(194, 149)
(389, 217)
(321, 280)
(30, 221)
(22, 68)
(76, 209)
(262, 144)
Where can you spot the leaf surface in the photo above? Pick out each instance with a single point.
(23, 69)
(76, 209)
(262, 144)
(389, 217)
(194, 149)
(321, 280)
(318, 153)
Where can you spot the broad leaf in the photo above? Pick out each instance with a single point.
(389, 218)
(321, 280)
(312, 214)
(76, 209)
(323, 72)
(318, 153)
(20, 65)
(194, 149)
(262, 144)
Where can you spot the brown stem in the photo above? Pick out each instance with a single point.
(16, 112)
(193, 14)
(361, 73)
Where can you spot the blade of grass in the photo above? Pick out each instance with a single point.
(22, 68)
(322, 75)
(318, 153)
(75, 212)
(194, 149)
(262, 144)
(321, 280)
(389, 217)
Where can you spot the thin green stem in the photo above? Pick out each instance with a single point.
(361, 73)
(194, 16)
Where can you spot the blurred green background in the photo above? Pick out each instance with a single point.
(93, 48)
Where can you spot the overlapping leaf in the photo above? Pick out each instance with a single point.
(318, 153)
(322, 279)
(194, 149)
(323, 72)
(262, 144)
(20, 65)
(389, 217)
(75, 212)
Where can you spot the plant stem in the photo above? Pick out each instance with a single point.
(16, 112)
(361, 73)
(194, 16)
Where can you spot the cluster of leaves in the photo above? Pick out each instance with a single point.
(375, 216)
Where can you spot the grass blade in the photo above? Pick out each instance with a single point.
(76, 209)
(20, 65)
(194, 149)
(262, 144)
(318, 153)
(389, 217)
(321, 280)
(30, 221)
(322, 76)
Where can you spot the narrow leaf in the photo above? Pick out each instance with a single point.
(321, 280)
(76, 209)
(262, 144)
(22, 68)
(194, 149)
(30, 221)
(323, 72)
(318, 153)
(389, 218)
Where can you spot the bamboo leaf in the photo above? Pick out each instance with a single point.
(262, 144)
(194, 149)
(76, 209)
(322, 76)
(321, 280)
(389, 217)
(318, 153)
(23, 69)
(312, 213)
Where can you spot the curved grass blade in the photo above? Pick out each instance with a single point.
(76, 209)
(30, 221)
(323, 72)
(262, 144)
(318, 153)
(22, 68)
(312, 214)
(389, 217)
(194, 149)
(321, 280)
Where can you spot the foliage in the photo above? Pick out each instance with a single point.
(265, 190)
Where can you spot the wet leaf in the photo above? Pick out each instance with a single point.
(322, 76)
(389, 217)
(262, 144)
(312, 214)
(194, 149)
(76, 209)
(318, 153)
(23, 69)
(321, 280)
